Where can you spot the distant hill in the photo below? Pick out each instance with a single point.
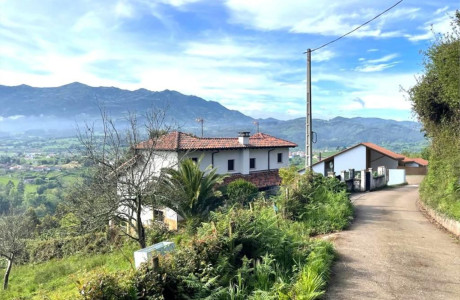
(57, 110)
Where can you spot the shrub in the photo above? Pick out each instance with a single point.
(241, 191)
(101, 285)
(156, 233)
(44, 250)
(322, 203)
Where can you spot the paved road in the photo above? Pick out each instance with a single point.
(393, 252)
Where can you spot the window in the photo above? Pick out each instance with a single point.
(280, 157)
(195, 159)
(158, 215)
(231, 165)
(252, 163)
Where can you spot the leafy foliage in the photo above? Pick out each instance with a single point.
(190, 191)
(241, 191)
(436, 100)
(322, 203)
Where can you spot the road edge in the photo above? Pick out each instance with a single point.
(448, 224)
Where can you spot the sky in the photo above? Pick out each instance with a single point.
(246, 54)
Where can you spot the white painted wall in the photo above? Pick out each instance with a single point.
(396, 176)
(274, 156)
(241, 158)
(206, 157)
(352, 159)
(319, 168)
(142, 172)
(261, 156)
(378, 159)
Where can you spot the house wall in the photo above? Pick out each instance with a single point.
(352, 159)
(142, 172)
(378, 159)
(206, 157)
(274, 156)
(241, 157)
(319, 168)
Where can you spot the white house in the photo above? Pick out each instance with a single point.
(359, 157)
(255, 158)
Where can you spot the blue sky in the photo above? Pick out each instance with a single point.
(245, 54)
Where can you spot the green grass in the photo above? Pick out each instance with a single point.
(57, 279)
(6, 178)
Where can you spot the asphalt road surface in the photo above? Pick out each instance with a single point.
(392, 251)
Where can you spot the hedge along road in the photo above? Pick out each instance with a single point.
(392, 251)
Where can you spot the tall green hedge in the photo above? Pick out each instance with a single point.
(436, 100)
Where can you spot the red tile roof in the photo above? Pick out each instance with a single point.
(420, 161)
(182, 141)
(384, 151)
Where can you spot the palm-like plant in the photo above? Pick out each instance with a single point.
(190, 191)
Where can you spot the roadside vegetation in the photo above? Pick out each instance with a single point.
(252, 246)
(74, 238)
(436, 100)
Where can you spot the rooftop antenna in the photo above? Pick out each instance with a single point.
(257, 125)
(200, 120)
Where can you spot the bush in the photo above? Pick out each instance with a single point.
(44, 250)
(241, 191)
(101, 285)
(156, 233)
(321, 203)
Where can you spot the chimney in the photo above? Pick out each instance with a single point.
(243, 137)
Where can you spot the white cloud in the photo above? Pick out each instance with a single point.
(124, 9)
(441, 10)
(374, 68)
(378, 64)
(179, 3)
(383, 59)
(440, 24)
(317, 17)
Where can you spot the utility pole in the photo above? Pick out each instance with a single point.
(308, 139)
(200, 120)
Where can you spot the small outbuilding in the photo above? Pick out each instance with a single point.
(362, 156)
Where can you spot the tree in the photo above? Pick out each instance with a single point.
(190, 191)
(121, 185)
(436, 100)
(436, 96)
(13, 232)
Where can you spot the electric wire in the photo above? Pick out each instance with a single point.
(335, 40)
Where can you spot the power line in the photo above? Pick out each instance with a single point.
(335, 40)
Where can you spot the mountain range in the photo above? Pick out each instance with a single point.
(58, 110)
